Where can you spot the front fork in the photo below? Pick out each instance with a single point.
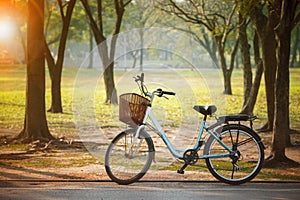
(130, 152)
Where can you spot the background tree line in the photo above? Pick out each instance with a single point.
(264, 32)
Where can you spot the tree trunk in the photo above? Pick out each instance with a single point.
(281, 125)
(209, 45)
(142, 49)
(244, 46)
(55, 75)
(56, 104)
(55, 69)
(23, 43)
(281, 120)
(265, 29)
(134, 57)
(227, 82)
(295, 47)
(35, 123)
(269, 63)
(107, 57)
(111, 94)
(91, 57)
(249, 106)
(227, 72)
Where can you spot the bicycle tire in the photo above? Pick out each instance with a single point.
(251, 152)
(126, 169)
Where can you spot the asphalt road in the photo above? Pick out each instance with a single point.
(147, 190)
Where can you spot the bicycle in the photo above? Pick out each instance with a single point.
(233, 152)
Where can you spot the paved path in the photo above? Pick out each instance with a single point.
(147, 190)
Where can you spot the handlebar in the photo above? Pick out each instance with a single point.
(159, 92)
(139, 78)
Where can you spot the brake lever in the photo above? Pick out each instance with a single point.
(137, 78)
(165, 97)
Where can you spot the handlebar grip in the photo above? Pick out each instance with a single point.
(168, 93)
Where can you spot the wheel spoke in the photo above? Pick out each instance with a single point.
(232, 172)
(241, 166)
(127, 162)
(245, 142)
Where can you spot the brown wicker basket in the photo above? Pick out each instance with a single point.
(132, 108)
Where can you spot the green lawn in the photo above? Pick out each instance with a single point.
(190, 88)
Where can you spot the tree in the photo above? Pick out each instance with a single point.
(249, 103)
(286, 9)
(295, 47)
(245, 51)
(250, 89)
(207, 42)
(143, 11)
(219, 19)
(105, 50)
(35, 123)
(55, 67)
(265, 25)
(199, 34)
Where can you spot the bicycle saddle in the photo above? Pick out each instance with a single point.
(206, 110)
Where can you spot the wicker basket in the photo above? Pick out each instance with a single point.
(132, 108)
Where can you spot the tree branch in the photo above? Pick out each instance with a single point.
(61, 9)
(99, 37)
(226, 29)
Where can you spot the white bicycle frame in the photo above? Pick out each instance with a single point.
(175, 152)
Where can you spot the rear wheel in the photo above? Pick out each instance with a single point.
(246, 161)
(125, 164)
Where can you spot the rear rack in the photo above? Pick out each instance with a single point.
(225, 119)
(236, 117)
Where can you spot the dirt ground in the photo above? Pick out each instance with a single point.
(14, 166)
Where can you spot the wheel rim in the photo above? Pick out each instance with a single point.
(248, 164)
(123, 167)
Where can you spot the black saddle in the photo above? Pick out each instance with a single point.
(206, 110)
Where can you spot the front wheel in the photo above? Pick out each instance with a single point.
(126, 160)
(242, 165)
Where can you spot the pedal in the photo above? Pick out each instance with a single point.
(181, 170)
(190, 157)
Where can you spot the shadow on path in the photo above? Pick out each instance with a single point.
(12, 172)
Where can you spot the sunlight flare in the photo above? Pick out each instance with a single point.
(6, 29)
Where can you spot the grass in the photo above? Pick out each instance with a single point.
(12, 98)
